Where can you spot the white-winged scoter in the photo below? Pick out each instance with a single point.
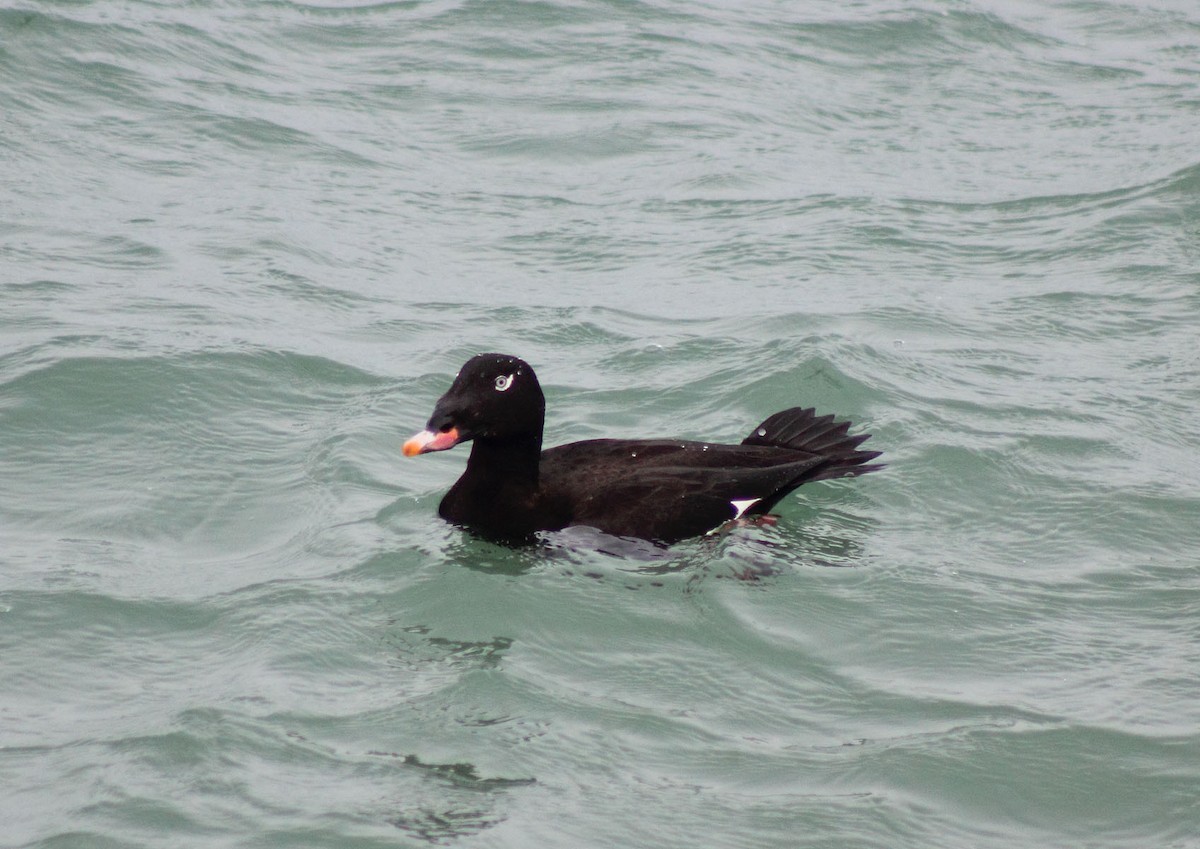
(663, 490)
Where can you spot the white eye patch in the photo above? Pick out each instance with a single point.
(504, 381)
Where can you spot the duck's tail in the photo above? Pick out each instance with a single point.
(801, 429)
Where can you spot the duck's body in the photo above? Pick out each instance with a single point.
(656, 489)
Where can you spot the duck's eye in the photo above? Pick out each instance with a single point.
(503, 382)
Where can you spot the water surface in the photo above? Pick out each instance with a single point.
(244, 247)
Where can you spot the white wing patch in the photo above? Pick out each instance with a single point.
(743, 505)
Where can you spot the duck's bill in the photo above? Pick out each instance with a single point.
(427, 441)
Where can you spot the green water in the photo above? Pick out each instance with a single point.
(245, 246)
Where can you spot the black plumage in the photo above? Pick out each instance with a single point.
(663, 490)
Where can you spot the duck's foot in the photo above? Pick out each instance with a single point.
(764, 520)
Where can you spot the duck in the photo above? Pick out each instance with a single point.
(659, 490)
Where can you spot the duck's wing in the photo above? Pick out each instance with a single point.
(672, 503)
(665, 490)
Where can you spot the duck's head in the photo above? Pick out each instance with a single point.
(494, 397)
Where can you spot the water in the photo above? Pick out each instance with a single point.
(245, 246)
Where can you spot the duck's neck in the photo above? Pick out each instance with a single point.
(498, 492)
(512, 462)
